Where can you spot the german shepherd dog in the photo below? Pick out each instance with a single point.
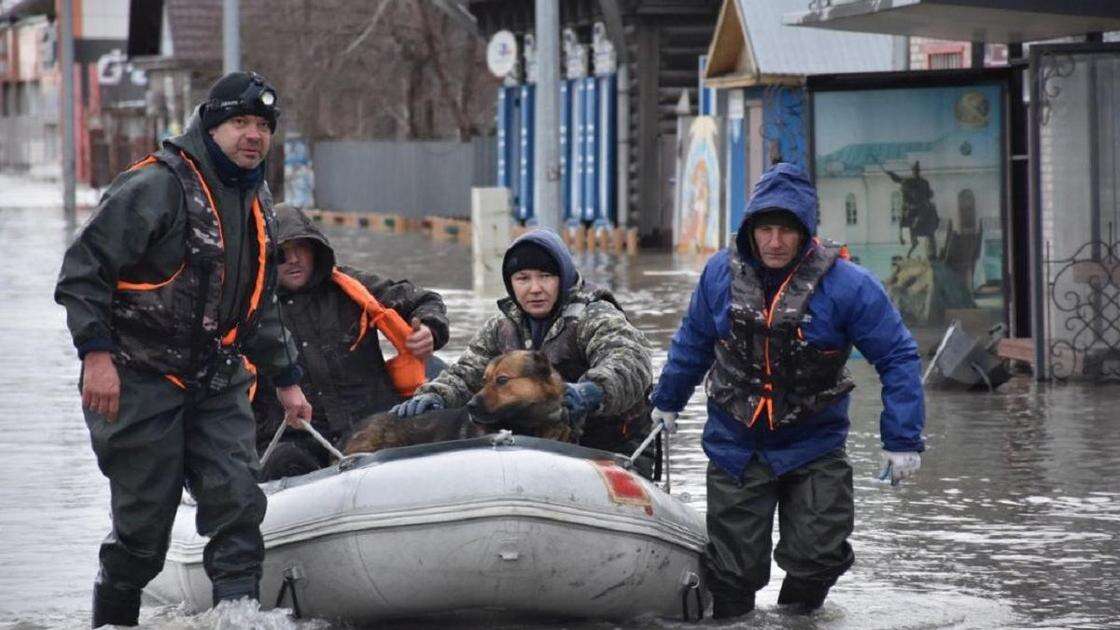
(520, 392)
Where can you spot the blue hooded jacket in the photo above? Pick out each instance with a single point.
(848, 306)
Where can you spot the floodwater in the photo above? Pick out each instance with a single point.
(1013, 520)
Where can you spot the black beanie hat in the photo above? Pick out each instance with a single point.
(528, 255)
(777, 216)
(239, 94)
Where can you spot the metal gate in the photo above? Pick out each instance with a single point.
(1075, 195)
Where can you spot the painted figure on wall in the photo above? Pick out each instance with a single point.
(700, 204)
(696, 217)
(918, 210)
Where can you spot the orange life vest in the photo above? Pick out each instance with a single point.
(405, 370)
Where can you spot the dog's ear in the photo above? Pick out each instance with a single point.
(541, 367)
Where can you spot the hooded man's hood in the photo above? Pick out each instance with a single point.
(552, 243)
(786, 187)
(293, 224)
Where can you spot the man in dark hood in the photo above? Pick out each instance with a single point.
(774, 319)
(344, 372)
(169, 296)
(582, 329)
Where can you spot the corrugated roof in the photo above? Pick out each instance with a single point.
(196, 29)
(1003, 21)
(791, 50)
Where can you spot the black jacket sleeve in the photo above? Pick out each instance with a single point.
(136, 234)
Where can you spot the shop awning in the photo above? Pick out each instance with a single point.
(999, 21)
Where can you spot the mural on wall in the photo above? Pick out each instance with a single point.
(910, 179)
(699, 202)
(696, 224)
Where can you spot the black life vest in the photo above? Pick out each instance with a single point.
(765, 366)
(173, 327)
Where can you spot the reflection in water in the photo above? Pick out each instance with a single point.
(1012, 522)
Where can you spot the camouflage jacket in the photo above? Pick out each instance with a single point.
(591, 341)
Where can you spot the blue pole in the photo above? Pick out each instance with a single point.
(525, 202)
(504, 125)
(590, 148)
(608, 132)
(565, 150)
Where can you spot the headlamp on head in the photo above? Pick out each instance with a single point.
(256, 98)
(257, 95)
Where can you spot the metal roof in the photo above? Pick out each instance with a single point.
(782, 49)
(753, 46)
(1006, 21)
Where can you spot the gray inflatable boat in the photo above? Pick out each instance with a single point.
(507, 527)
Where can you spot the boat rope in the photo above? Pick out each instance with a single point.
(324, 442)
(649, 438)
(272, 444)
(658, 429)
(665, 451)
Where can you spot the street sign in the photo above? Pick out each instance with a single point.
(501, 53)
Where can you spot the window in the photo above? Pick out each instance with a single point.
(945, 61)
(850, 209)
(896, 207)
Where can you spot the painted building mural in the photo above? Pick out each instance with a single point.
(696, 224)
(911, 180)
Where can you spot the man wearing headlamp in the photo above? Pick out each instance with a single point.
(169, 295)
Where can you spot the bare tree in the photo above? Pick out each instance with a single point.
(383, 69)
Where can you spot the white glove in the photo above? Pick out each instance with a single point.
(667, 418)
(899, 465)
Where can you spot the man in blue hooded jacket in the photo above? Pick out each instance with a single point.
(774, 319)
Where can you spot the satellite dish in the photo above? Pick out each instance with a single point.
(501, 53)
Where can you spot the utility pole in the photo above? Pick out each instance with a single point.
(66, 41)
(546, 177)
(231, 36)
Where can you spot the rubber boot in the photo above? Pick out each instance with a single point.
(236, 589)
(801, 596)
(728, 608)
(119, 606)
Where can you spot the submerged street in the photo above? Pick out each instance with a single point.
(1013, 520)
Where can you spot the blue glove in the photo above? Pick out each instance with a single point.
(581, 399)
(418, 405)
